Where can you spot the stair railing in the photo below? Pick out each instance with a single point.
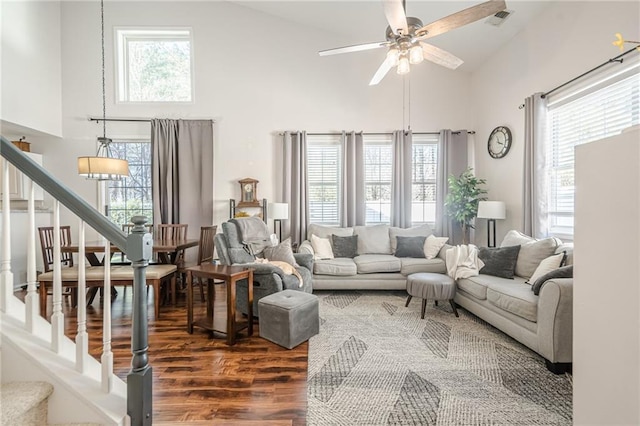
(136, 246)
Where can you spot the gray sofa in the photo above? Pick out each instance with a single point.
(543, 322)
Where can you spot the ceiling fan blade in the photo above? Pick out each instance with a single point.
(382, 71)
(396, 16)
(440, 57)
(354, 48)
(461, 18)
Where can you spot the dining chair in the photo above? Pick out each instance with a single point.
(205, 250)
(173, 231)
(46, 245)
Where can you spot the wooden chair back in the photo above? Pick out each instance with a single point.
(176, 231)
(127, 227)
(46, 244)
(206, 246)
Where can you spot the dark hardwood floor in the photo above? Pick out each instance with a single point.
(200, 380)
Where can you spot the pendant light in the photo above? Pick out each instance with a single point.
(103, 166)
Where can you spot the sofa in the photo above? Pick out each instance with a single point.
(543, 322)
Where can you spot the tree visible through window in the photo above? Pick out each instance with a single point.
(154, 65)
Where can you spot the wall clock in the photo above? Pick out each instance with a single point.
(248, 193)
(499, 142)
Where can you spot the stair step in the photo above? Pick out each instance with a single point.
(25, 403)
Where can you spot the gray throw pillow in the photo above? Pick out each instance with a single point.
(282, 252)
(344, 246)
(564, 272)
(499, 262)
(410, 247)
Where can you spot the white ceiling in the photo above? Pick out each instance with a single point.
(363, 21)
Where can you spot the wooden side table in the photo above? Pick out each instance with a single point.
(230, 275)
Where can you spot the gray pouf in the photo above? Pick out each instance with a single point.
(430, 286)
(289, 317)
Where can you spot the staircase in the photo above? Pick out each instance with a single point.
(46, 377)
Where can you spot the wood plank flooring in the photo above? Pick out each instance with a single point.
(199, 380)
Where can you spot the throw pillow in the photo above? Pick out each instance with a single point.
(416, 231)
(532, 251)
(499, 262)
(547, 265)
(321, 247)
(410, 247)
(373, 239)
(564, 272)
(432, 246)
(345, 246)
(282, 252)
(326, 231)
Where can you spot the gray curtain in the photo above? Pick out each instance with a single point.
(452, 160)
(401, 179)
(352, 205)
(535, 182)
(182, 172)
(295, 188)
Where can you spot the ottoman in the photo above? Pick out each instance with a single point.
(431, 286)
(289, 317)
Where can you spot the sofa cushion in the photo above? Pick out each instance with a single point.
(340, 266)
(568, 249)
(410, 247)
(433, 245)
(499, 262)
(532, 251)
(344, 246)
(477, 286)
(515, 298)
(411, 265)
(327, 231)
(373, 239)
(416, 231)
(372, 263)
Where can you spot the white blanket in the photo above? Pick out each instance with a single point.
(462, 261)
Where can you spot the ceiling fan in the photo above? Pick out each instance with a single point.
(405, 37)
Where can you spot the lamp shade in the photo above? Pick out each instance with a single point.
(279, 211)
(492, 210)
(102, 168)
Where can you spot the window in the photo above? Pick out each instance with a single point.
(424, 172)
(154, 65)
(132, 195)
(324, 178)
(599, 110)
(378, 166)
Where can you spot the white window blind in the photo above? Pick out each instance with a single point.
(424, 173)
(598, 110)
(324, 178)
(378, 166)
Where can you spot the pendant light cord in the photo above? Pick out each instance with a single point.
(104, 103)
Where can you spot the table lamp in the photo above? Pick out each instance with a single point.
(279, 212)
(491, 210)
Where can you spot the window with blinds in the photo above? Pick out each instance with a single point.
(424, 172)
(378, 165)
(598, 110)
(324, 178)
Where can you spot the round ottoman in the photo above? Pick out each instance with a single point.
(429, 286)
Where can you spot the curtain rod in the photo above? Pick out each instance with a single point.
(471, 132)
(148, 120)
(617, 59)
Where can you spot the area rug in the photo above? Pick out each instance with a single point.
(376, 362)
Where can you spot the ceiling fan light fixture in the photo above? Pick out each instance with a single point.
(393, 55)
(415, 54)
(403, 65)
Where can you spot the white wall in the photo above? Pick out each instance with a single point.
(564, 41)
(256, 75)
(31, 65)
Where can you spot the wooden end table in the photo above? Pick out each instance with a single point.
(230, 275)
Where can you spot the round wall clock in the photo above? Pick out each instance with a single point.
(499, 142)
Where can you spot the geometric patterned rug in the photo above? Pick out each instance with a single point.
(376, 362)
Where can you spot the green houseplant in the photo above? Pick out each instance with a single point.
(462, 200)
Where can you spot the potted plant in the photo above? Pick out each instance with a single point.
(462, 200)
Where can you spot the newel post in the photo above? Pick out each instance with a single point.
(139, 380)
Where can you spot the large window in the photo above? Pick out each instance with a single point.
(324, 178)
(378, 166)
(424, 172)
(601, 109)
(132, 195)
(154, 65)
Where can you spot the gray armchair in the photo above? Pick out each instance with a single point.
(267, 278)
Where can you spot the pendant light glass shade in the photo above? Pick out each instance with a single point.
(392, 56)
(403, 65)
(415, 54)
(103, 166)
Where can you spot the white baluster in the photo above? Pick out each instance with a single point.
(107, 355)
(57, 317)
(31, 300)
(6, 276)
(82, 338)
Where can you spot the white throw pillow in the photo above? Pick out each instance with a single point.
(322, 247)
(547, 265)
(432, 246)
